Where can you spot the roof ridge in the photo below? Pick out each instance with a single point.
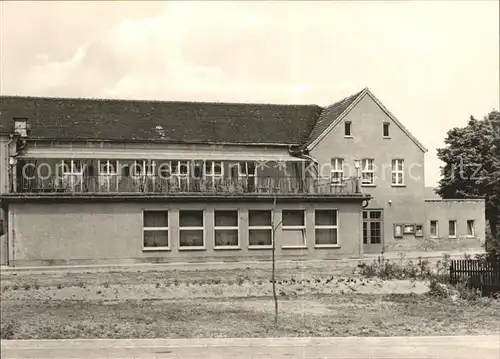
(97, 99)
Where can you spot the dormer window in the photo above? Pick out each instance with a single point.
(347, 129)
(386, 128)
(21, 126)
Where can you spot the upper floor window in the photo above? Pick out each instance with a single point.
(214, 169)
(386, 128)
(398, 172)
(144, 168)
(367, 172)
(347, 129)
(337, 170)
(108, 168)
(471, 232)
(452, 229)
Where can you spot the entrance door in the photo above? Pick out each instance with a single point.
(373, 224)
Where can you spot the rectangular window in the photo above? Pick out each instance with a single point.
(181, 171)
(260, 228)
(155, 230)
(419, 230)
(452, 229)
(294, 228)
(226, 229)
(337, 170)
(372, 227)
(434, 229)
(326, 228)
(471, 232)
(108, 175)
(191, 229)
(347, 129)
(397, 172)
(72, 174)
(367, 172)
(386, 132)
(144, 168)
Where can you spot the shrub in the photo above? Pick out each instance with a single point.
(7, 330)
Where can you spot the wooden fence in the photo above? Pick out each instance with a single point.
(483, 275)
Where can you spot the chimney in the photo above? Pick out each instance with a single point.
(21, 126)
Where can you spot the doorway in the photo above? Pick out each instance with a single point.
(373, 224)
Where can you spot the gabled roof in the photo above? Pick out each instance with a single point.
(172, 122)
(332, 115)
(179, 122)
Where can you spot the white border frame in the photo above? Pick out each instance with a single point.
(366, 170)
(388, 129)
(216, 247)
(454, 228)
(330, 226)
(334, 168)
(303, 228)
(437, 228)
(270, 228)
(397, 171)
(193, 248)
(169, 237)
(473, 235)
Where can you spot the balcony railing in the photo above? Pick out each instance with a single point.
(178, 184)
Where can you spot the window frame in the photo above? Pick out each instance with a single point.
(388, 126)
(337, 167)
(237, 227)
(395, 171)
(473, 235)
(329, 226)
(366, 169)
(72, 178)
(192, 228)
(368, 220)
(152, 229)
(107, 178)
(454, 228)
(303, 227)
(402, 231)
(348, 123)
(437, 228)
(270, 228)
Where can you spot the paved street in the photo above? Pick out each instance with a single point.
(484, 347)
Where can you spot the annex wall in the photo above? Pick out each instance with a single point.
(112, 232)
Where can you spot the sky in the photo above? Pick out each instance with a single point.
(433, 64)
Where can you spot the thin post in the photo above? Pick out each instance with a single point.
(273, 260)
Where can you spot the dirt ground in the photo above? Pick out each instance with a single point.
(314, 301)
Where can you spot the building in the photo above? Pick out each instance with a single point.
(103, 181)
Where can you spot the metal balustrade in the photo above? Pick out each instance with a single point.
(183, 184)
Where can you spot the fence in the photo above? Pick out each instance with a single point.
(479, 274)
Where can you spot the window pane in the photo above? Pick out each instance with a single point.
(365, 232)
(259, 218)
(260, 237)
(375, 214)
(155, 239)
(386, 130)
(326, 217)
(191, 218)
(226, 237)
(191, 238)
(155, 219)
(294, 237)
(365, 214)
(293, 217)
(451, 226)
(347, 128)
(226, 218)
(217, 168)
(470, 228)
(375, 232)
(433, 228)
(326, 236)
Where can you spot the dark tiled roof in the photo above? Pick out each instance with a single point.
(171, 122)
(330, 114)
(174, 122)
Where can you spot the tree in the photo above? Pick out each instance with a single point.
(472, 166)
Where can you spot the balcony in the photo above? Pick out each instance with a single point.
(179, 185)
